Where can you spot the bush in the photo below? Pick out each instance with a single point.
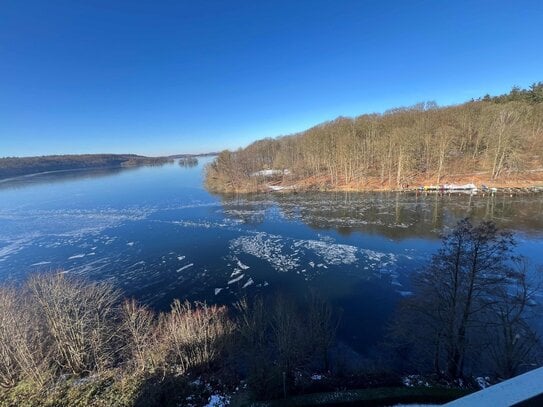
(194, 337)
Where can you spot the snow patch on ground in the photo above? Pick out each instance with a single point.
(483, 382)
(414, 380)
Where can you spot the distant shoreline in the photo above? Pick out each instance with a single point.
(35, 174)
(16, 168)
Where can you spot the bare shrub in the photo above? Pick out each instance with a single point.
(81, 319)
(22, 343)
(195, 336)
(140, 328)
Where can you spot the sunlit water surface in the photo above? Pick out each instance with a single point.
(157, 234)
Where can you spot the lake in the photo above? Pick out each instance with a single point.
(157, 234)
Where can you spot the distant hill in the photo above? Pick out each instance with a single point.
(493, 140)
(18, 166)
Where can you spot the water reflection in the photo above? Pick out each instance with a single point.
(394, 215)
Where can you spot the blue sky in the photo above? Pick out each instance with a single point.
(163, 77)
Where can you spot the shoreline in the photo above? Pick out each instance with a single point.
(80, 169)
(307, 186)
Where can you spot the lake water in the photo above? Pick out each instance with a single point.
(156, 233)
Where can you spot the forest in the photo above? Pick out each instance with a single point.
(67, 341)
(492, 140)
(17, 166)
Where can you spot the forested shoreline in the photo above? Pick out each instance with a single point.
(492, 140)
(18, 166)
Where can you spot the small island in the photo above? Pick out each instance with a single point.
(188, 162)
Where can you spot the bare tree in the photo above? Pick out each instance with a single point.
(513, 344)
(460, 286)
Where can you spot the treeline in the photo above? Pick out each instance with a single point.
(491, 139)
(534, 94)
(17, 166)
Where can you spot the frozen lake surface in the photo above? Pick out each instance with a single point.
(157, 234)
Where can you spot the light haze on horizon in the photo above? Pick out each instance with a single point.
(169, 77)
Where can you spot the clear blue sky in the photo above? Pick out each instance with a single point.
(160, 77)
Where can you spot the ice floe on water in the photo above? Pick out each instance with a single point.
(242, 266)
(235, 280)
(79, 239)
(205, 224)
(76, 256)
(248, 283)
(40, 263)
(331, 253)
(309, 258)
(71, 222)
(14, 246)
(94, 266)
(267, 247)
(383, 259)
(285, 254)
(185, 267)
